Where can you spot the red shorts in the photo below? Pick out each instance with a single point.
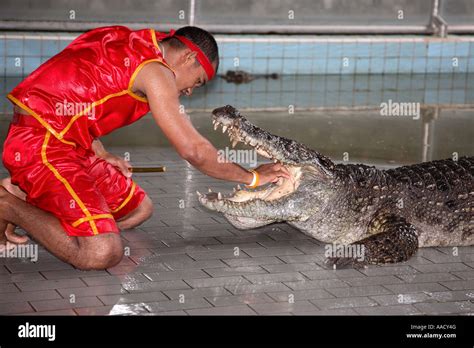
(86, 193)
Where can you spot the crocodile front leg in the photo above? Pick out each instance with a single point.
(392, 240)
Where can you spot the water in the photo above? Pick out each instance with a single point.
(364, 135)
(320, 91)
(333, 91)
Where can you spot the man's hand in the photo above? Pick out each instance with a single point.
(118, 162)
(271, 172)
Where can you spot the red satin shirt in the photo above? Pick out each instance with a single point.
(85, 91)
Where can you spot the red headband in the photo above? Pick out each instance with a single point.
(201, 57)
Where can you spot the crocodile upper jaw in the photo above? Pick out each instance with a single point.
(237, 128)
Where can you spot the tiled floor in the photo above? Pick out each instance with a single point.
(186, 260)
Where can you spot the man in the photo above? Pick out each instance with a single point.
(79, 196)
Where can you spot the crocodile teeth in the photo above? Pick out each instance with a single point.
(216, 125)
(234, 142)
(219, 195)
(224, 128)
(238, 187)
(209, 189)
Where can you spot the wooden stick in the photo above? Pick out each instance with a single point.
(147, 169)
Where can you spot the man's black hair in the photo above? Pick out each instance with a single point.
(201, 38)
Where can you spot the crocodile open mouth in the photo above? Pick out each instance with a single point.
(239, 130)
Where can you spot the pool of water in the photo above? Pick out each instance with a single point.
(319, 91)
(361, 135)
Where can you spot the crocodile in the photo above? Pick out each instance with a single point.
(388, 213)
(239, 76)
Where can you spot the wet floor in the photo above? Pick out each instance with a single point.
(186, 260)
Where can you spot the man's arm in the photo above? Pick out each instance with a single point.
(158, 84)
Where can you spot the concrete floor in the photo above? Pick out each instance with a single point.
(183, 262)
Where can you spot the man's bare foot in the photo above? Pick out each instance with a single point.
(3, 222)
(8, 236)
(13, 189)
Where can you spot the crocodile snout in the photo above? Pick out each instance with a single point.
(227, 111)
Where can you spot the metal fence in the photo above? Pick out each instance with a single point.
(430, 17)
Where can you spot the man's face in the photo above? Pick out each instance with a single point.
(189, 73)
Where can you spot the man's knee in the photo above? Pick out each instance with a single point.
(138, 216)
(109, 255)
(147, 206)
(105, 252)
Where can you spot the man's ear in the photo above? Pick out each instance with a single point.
(190, 57)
